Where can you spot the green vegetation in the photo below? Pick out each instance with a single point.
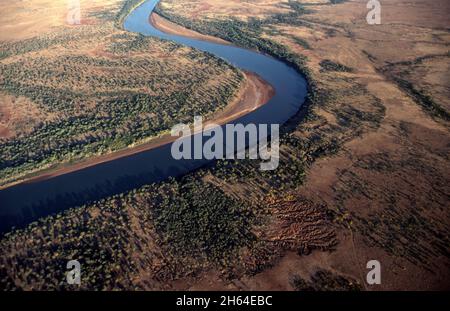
(423, 99)
(198, 219)
(337, 1)
(248, 34)
(328, 65)
(61, 37)
(127, 7)
(132, 89)
(196, 225)
(303, 43)
(399, 72)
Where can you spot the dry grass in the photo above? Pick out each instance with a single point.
(216, 9)
(29, 18)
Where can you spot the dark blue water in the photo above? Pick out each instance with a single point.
(24, 203)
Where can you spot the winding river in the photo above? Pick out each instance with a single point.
(26, 202)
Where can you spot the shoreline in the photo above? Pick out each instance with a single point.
(168, 27)
(253, 94)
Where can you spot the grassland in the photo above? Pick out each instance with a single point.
(364, 170)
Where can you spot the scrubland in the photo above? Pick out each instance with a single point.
(364, 170)
(76, 91)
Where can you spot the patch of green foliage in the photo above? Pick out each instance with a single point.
(328, 65)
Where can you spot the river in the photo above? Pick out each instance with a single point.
(27, 202)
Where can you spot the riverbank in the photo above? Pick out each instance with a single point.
(168, 27)
(75, 182)
(254, 93)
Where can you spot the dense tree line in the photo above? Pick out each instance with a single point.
(248, 33)
(126, 8)
(194, 225)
